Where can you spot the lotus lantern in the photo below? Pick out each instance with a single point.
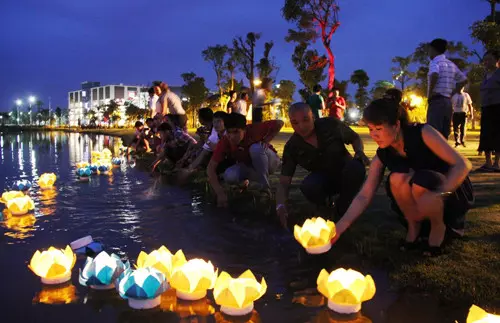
(20, 205)
(22, 185)
(345, 289)
(116, 162)
(106, 153)
(478, 315)
(53, 265)
(142, 287)
(84, 174)
(237, 295)
(47, 180)
(9, 195)
(82, 164)
(315, 235)
(161, 259)
(102, 271)
(193, 278)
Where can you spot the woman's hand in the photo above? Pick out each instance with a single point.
(282, 215)
(340, 228)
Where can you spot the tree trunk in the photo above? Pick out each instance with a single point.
(493, 5)
(232, 80)
(252, 75)
(331, 69)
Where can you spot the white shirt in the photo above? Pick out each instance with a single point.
(153, 104)
(460, 102)
(213, 139)
(241, 107)
(174, 103)
(449, 76)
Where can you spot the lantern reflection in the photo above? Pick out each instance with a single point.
(55, 295)
(252, 317)
(327, 316)
(309, 298)
(20, 225)
(185, 309)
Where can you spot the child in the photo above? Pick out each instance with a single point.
(205, 117)
(140, 144)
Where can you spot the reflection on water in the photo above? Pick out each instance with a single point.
(327, 316)
(185, 309)
(55, 295)
(19, 227)
(250, 318)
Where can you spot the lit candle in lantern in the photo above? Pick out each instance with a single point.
(53, 265)
(82, 164)
(7, 196)
(161, 259)
(47, 180)
(20, 205)
(192, 279)
(142, 287)
(315, 235)
(345, 289)
(237, 295)
(478, 315)
(102, 271)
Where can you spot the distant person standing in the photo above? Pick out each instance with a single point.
(259, 100)
(153, 99)
(231, 105)
(172, 104)
(316, 102)
(462, 109)
(242, 104)
(445, 79)
(338, 105)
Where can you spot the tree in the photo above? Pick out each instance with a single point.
(195, 90)
(361, 79)
(244, 54)
(266, 64)
(230, 67)
(285, 91)
(487, 33)
(310, 67)
(314, 19)
(58, 114)
(401, 72)
(216, 55)
(379, 89)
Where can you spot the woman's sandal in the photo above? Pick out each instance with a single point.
(409, 245)
(433, 251)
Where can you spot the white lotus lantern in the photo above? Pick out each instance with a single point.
(237, 295)
(478, 315)
(102, 271)
(53, 266)
(47, 180)
(7, 196)
(345, 289)
(20, 205)
(193, 278)
(142, 287)
(315, 235)
(161, 259)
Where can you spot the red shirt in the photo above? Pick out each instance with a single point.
(254, 133)
(336, 110)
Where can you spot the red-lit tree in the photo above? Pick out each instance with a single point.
(315, 19)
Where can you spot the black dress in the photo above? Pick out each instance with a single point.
(426, 165)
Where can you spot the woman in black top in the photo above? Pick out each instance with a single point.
(427, 181)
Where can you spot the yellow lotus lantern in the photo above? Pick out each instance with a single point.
(53, 265)
(82, 165)
(95, 155)
(237, 295)
(478, 315)
(7, 196)
(315, 235)
(57, 295)
(345, 289)
(47, 180)
(193, 278)
(161, 259)
(20, 205)
(106, 153)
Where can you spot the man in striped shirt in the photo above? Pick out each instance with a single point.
(445, 79)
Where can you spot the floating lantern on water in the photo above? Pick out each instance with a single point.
(192, 279)
(102, 271)
(345, 289)
(55, 295)
(161, 260)
(237, 295)
(95, 155)
(7, 196)
(106, 153)
(82, 165)
(47, 180)
(478, 315)
(142, 287)
(22, 185)
(86, 246)
(116, 162)
(84, 174)
(20, 205)
(315, 235)
(53, 265)
(93, 169)
(103, 169)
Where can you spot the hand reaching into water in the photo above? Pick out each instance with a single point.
(282, 215)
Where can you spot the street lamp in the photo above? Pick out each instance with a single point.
(257, 82)
(31, 100)
(19, 102)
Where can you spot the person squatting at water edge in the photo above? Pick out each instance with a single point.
(318, 146)
(428, 182)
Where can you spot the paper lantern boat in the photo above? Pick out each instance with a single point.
(106, 153)
(83, 174)
(95, 155)
(315, 235)
(116, 162)
(345, 289)
(237, 295)
(20, 205)
(93, 169)
(103, 169)
(192, 279)
(47, 180)
(142, 287)
(7, 196)
(56, 295)
(161, 259)
(478, 315)
(86, 246)
(53, 265)
(22, 185)
(102, 271)
(82, 165)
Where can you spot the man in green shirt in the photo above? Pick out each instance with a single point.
(316, 102)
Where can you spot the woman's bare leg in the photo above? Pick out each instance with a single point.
(402, 192)
(431, 206)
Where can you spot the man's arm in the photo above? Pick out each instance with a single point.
(351, 137)
(273, 128)
(215, 184)
(432, 83)
(281, 199)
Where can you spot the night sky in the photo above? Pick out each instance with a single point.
(49, 47)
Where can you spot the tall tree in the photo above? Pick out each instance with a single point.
(244, 54)
(310, 66)
(284, 91)
(314, 19)
(196, 91)
(216, 55)
(230, 67)
(401, 72)
(379, 89)
(361, 79)
(266, 64)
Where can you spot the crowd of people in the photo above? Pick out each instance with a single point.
(428, 181)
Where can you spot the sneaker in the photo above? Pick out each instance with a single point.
(463, 144)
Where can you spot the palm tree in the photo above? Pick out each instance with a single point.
(360, 77)
(401, 71)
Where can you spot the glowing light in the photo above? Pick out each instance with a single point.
(20, 205)
(19, 102)
(55, 295)
(9, 195)
(257, 82)
(142, 287)
(478, 315)
(102, 271)
(315, 235)
(47, 180)
(53, 265)
(161, 259)
(31, 99)
(193, 278)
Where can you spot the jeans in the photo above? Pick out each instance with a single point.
(317, 187)
(459, 120)
(439, 114)
(264, 162)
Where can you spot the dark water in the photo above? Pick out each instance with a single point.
(130, 211)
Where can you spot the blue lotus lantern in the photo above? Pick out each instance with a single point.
(116, 162)
(83, 174)
(102, 271)
(103, 169)
(142, 287)
(93, 169)
(22, 185)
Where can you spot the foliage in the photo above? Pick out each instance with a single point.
(195, 90)
(133, 112)
(379, 89)
(285, 91)
(216, 55)
(361, 79)
(314, 20)
(310, 67)
(244, 55)
(401, 72)
(487, 33)
(266, 64)
(230, 69)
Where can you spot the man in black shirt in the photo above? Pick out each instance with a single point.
(319, 147)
